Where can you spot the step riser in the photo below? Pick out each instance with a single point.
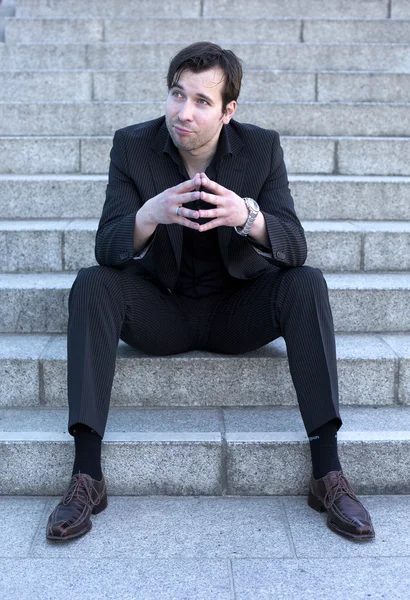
(184, 468)
(378, 9)
(375, 57)
(150, 87)
(373, 375)
(302, 155)
(34, 310)
(61, 198)
(291, 119)
(70, 249)
(234, 30)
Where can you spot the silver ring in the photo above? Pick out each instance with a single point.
(177, 210)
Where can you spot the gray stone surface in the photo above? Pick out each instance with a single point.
(223, 30)
(344, 197)
(271, 86)
(300, 8)
(321, 579)
(360, 302)
(382, 247)
(308, 154)
(39, 155)
(401, 346)
(40, 86)
(367, 367)
(378, 156)
(105, 8)
(19, 371)
(400, 9)
(363, 87)
(195, 528)
(54, 30)
(394, 58)
(312, 538)
(103, 118)
(356, 31)
(337, 246)
(48, 56)
(132, 579)
(34, 303)
(160, 464)
(55, 197)
(334, 246)
(31, 248)
(18, 526)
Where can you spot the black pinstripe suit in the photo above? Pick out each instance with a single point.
(133, 300)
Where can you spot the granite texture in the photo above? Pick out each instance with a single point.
(55, 197)
(400, 344)
(42, 155)
(368, 157)
(43, 86)
(376, 31)
(363, 87)
(106, 8)
(54, 30)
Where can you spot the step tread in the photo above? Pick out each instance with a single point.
(245, 424)
(82, 224)
(344, 281)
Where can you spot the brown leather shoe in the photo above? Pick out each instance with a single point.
(71, 517)
(346, 514)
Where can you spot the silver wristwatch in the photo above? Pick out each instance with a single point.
(254, 209)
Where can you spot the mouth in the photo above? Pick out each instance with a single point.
(182, 131)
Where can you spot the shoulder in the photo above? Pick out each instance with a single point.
(141, 132)
(253, 134)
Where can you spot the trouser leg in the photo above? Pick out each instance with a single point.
(106, 304)
(292, 303)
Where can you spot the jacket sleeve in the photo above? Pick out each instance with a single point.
(286, 235)
(114, 242)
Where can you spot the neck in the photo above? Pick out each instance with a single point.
(197, 163)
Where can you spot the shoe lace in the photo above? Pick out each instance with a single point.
(339, 488)
(82, 488)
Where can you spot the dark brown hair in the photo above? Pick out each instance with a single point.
(201, 56)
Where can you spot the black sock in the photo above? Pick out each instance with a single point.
(323, 448)
(87, 451)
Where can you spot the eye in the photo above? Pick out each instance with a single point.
(203, 102)
(176, 94)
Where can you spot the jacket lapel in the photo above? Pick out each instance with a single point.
(230, 176)
(166, 176)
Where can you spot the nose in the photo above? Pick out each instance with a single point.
(185, 113)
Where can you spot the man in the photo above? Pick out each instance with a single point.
(199, 247)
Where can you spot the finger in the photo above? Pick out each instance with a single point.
(178, 199)
(211, 225)
(212, 185)
(212, 198)
(213, 213)
(187, 223)
(189, 184)
(188, 213)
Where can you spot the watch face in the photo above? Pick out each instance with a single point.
(252, 205)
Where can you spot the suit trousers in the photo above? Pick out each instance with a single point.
(107, 304)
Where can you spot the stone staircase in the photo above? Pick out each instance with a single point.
(334, 79)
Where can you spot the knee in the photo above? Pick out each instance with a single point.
(91, 280)
(304, 281)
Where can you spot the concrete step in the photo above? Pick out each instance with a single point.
(337, 246)
(221, 8)
(5, 13)
(374, 370)
(303, 154)
(258, 86)
(317, 197)
(394, 58)
(239, 451)
(220, 29)
(300, 119)
(361, 302)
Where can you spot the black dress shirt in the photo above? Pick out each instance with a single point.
(202, 271)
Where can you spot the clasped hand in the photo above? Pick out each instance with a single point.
(230, 209)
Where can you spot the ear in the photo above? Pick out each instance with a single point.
(229, 112)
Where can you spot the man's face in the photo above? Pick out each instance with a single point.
(193, 112)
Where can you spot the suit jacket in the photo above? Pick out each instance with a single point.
(139, 170)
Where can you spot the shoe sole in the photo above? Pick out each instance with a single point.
(315, 503)
(95, 511)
